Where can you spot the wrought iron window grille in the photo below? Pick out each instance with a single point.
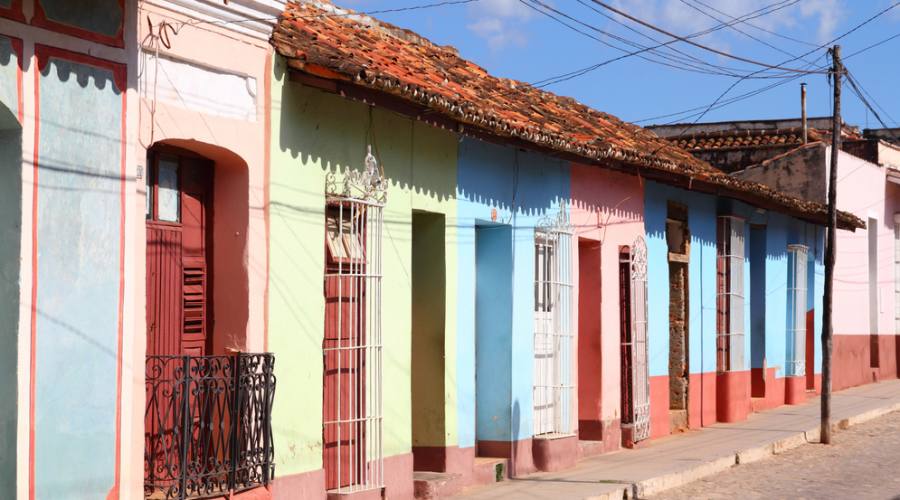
(208, 429)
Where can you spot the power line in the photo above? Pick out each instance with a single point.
(859, 84)
(641, 33)
(876, 44)
(549, 11)
(444, 3)
(839, 37)
(756, 26)
(857, 89)
(696, 44)
(735, 28)
(593, 67)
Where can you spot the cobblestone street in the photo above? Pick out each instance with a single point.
(862, 464)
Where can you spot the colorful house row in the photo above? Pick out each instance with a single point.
(337, 260)
(549, 281)
(773, 152)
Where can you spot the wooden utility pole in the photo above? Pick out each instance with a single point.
(837, 73)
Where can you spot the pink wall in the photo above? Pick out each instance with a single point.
(607, 207)
(862, 190)
(193, 114)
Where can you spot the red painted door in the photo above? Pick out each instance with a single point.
(177, 228)
(177, 254)
(344, 350)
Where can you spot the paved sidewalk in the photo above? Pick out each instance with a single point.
(676, 460)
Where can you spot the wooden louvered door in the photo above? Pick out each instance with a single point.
(195, 202)
(178, 251)
(179, 192)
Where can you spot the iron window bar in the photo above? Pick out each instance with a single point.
(797, 297)
(640, 396)
(353, 419)
(208, 428)
(553, 337)
(730, 295)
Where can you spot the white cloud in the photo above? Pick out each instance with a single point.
(829, 13)
(682, 19)
(499, 22)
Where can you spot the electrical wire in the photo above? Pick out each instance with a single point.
(199, 22)
(839, 37)
(859, 92)
(699, 45)
(752, 25)
(876, 44)
(735, 28)
(872, 99)
(593, 67)
(549, 11)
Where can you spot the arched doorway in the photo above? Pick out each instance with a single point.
(208, 414)
(10, 253)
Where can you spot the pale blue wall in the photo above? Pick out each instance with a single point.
(701, 276)
(770, 315)
(78, 208)
(523, 187)
(10, 242)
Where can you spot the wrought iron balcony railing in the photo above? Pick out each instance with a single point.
(208, 428)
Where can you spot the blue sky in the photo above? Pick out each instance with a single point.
(511, 40)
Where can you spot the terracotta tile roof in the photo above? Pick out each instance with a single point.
(733, 139)
(750, 138)
(375, 55)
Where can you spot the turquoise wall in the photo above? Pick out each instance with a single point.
(701, 275)
(766, 255)
(522, 187)
(78, 238)
(10, 242)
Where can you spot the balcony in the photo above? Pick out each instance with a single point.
(208, 428)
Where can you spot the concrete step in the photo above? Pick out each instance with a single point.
(490, 470)
(436, 485)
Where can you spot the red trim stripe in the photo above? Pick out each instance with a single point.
(40, 20)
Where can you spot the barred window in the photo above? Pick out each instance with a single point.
(730, 294)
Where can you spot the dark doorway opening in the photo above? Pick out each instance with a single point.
(590, 423)
(757, 311)
(428, 323)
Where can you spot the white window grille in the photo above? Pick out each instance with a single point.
(634, 340)
(730, 296)
(552, 391)
(897, 273)
(797, 276)
(352, 431)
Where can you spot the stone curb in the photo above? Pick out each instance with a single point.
(658, 484)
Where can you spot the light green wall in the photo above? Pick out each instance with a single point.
(314, 132)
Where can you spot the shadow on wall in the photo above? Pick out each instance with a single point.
(10, 238)
(230, 218)
(332, 132)
(511, 179)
